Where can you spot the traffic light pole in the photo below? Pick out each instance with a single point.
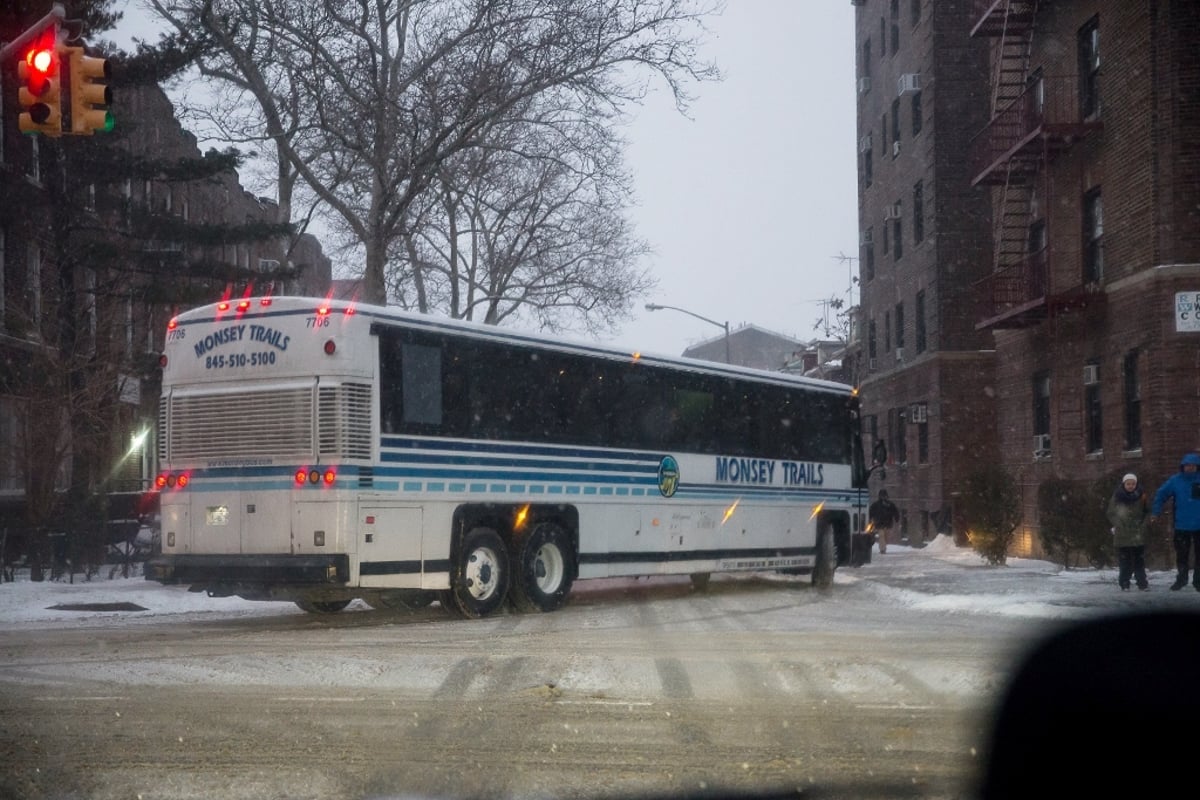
(57, 15)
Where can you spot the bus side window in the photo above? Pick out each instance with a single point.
(421, 384)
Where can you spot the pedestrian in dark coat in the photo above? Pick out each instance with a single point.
(1183, 489)
(883, 515)
(1129, 513)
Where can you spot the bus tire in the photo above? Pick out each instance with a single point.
(545, 569)
(822, 574)
(480, 577)
(322, 606)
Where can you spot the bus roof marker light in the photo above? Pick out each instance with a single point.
(323, 311)
(243, 305)
(266, 301)
(173, 323)
(223, 306)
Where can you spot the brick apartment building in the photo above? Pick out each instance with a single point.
(1059, 142)
(123, 318)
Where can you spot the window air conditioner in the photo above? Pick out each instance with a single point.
(918, 413)
(1041, 444)
(864, 144)
(896, 148)
(892, 211)
(909, 83)
(872, 364)
(899, 353)
(865, 237)
(864, 84)
(267, 264)
(1091, 374)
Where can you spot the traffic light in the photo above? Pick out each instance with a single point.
(89, 95)
(40, 93)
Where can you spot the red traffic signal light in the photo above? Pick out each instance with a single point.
(40, 93)
(89, 96)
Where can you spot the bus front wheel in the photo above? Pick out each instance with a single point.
(322, 606)
(822, 574)
(545, 569)
(479, 582)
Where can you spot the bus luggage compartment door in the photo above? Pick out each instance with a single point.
(389, 546)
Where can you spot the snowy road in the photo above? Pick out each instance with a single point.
(635, 687)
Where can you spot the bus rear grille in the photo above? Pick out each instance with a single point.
(344, 421)
(270, 424)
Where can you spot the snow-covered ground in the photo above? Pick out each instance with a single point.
(939, 577)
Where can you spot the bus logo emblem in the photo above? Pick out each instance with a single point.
(668, 476)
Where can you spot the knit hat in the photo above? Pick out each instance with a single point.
(1129, 476)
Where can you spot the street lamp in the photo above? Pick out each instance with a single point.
(723, 325)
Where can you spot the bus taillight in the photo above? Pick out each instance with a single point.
(160, 482)
(169, 480)
(301, 476)
(330, 476)
(330, 347)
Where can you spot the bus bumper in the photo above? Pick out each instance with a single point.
(260, 570)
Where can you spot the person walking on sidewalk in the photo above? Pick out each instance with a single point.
(1128, 510)
(1183, 490)
(883, 514)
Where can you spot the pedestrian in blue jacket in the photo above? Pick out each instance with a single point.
(1183, 488)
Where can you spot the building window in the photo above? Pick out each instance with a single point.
(923, 443)
(866, 58)
(895, 26)
(887, 237)
(917, 113)
(1092, 412)
(916, 13)
(918, 212)
(899, 325)
(1089, 68)
(33, 285)
(899, 443)
(887, 331)
(872, 431)
(1093, 236)
(895, 126)
(1041, 405)
(882, 37)
(871, 340)
(868, 257)
(868, 167)
(920, 321)
(898, 237)
(1133, 402)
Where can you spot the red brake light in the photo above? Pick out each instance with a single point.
(162, 361)
(330, 477)
(330, 347)
(160, 481)
(301, 476)
(183, 481)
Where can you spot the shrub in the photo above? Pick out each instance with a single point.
(991, 507)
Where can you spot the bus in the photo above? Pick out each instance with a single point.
(321, 451)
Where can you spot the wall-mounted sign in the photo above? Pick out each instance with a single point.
(1187, 312)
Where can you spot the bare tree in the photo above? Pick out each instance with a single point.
(530, 226)
(368, 100)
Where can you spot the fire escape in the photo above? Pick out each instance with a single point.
(1034, 116)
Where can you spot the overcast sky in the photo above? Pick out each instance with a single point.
(748, 203)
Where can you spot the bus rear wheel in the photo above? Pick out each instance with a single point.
(322, 606)
(480, 578)
(545, 569)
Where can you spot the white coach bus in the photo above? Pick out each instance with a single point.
(320, 451)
